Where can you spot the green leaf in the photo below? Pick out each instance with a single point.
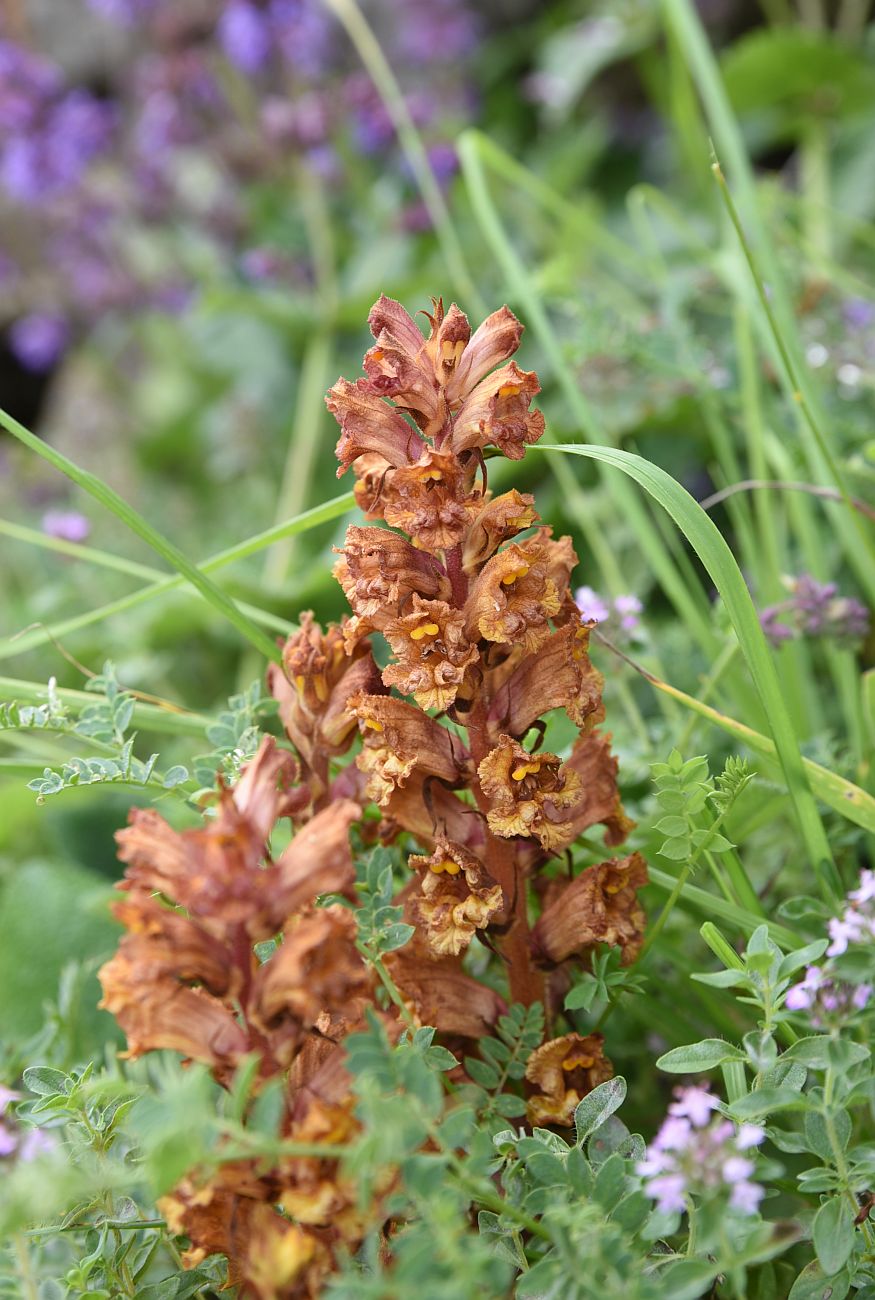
(175, 776)
(833, 1234)
(794, 961)
(818, 1052)
(672, 826)
(483, 1073)
(45, 1081)
(704, 1055)
(595, 1108)
(760, 1103)
(813, 1284)
(687, 1279)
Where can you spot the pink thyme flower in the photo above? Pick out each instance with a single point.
(698, 1153)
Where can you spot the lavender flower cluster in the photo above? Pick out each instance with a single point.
(22, 1144)
(617, 618)
(696, 1153)
(814, 609)
(828, 999)
(233, 98)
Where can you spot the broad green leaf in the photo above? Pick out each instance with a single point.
(595, 1108)
(704, 1055)
(833, 1234)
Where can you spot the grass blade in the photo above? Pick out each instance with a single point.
(242, 550)
(133, 520)
(717, 558)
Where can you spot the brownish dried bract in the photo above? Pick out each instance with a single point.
(593, 762)
(559, 676)
(439, 993)
(526, 793)
(215, 872)
(432, 653)
(458, 897)
(158, 1013)
(497, 521)
(312, 688)
(379, 572)
(516, 593)
(269, 1258)
(398, 739)
(368, 424)
(565, 1070)
(315, 967)
(599, 906)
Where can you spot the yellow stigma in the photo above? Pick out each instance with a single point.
(424, 629)
(373, 724)
(509, 390)
(432, 476)
(618, 883)
(514, 574)
(300, 683)
(577, 1058)
(448, 865)
(524, 769)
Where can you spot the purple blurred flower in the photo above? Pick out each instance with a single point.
(591, 605)
(776, 631)
(27, 83)
(8, 1140)
(245, 36)
(859, 313)
(66, 525)
(444, 161)
(6, 1096)
(38, 340)
(628, 607)
(304, 33)
(34, 1142)
(618, 617)
(698, 1153)
(124, 12)
(53, 153)
(814, 609)
(828, 1001)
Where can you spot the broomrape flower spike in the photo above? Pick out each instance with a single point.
(227, 958)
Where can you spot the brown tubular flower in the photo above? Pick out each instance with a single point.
(379, 571)
(527, 792)
(433, 653)
(560, 675)
(312, 688)
(398, 740)
(593, 762)
(564, 1070)
(599, 906)
(497, 521)
(516, 593)
(458, 897)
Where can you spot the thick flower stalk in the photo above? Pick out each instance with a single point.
(473, 596)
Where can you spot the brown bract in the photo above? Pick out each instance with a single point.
(432, 653)
(558, 676)
(526, 793)
(368, 424)
(398, 739)
(312, 688)
(497, 414)
(591, 759)
(564, 1070)
(379, 571)
(458, 897)
(497, 521)
(599, 906)
(438, 992)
